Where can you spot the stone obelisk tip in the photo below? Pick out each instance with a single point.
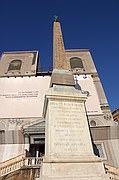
(59, 57)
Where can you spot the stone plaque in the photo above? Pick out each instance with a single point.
(69, 133)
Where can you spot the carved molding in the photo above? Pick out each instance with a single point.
(16, 121)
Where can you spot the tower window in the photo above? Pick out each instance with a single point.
(15, 65)
(76, 62)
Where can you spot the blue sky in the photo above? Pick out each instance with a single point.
(86, 24)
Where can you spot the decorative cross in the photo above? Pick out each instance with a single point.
(56, 18)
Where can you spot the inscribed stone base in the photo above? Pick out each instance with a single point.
(70, 171)
(66, 132)
(68, 147)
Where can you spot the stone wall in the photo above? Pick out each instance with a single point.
(22, 174)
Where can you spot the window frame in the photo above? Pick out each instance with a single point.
(80, 63)
(103, 149)
(12, 67)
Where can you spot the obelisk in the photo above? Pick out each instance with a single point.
(61, 74)
(68, 147)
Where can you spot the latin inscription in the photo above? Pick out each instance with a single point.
(68, 127)
(23, 94)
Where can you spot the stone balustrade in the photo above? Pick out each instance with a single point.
(18, 163)
(112, 172)
(11, 165)
(33, 161)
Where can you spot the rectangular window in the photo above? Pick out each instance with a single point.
(99, 150)
(2, 136)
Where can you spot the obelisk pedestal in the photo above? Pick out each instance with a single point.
(68, 147)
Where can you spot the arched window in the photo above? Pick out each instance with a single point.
(76, 62)
(15, 65)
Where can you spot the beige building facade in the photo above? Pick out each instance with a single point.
(115, 114)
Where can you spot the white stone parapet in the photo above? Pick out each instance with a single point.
(19, 162)
(112, 172)
(11, 165)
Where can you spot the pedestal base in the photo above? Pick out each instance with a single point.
(68, 147)
(78, 170)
